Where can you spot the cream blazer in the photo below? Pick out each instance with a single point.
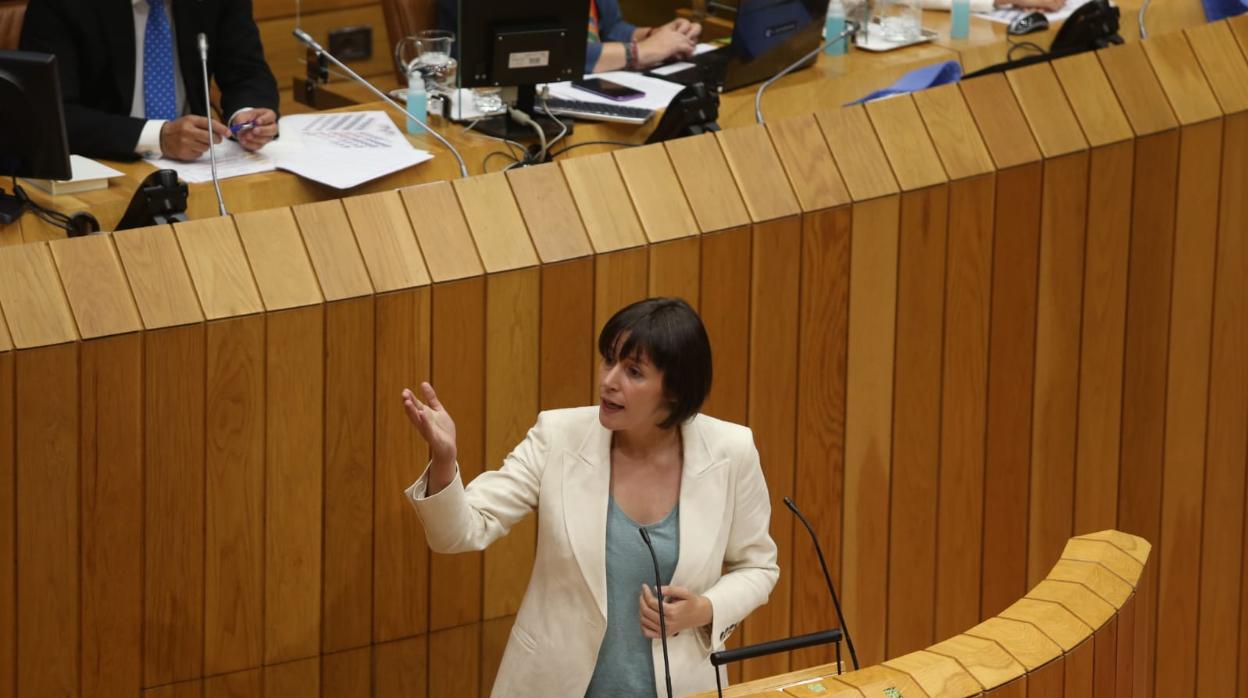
(562, 470)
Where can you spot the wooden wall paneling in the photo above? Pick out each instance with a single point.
(1223, 511)
(1148, 321)
(1125, 683)
(1081, 670)
(286, 56)
(808, 163)
(724, 292)
(620, 278)
(33, 299)
(984, 659)
(240, 684)
(819, 480)
(1000, 121)
(8, 526)
(278, 259)
(458, 370)
(869, 419)
(1187, 384)
(183, 689)
(760, 177)
(1064, 202)
(455, 661)
(936, 674)
(333, 250)
(442, 232)
(1048, 680)
(597, 187)
(219, 268)
(347, 674)
(857, 153)
(1052, 618)
(698, 164)
(1079, 599)
(157, 276)
(495, 222)
(1105, 659)
(494, 636)
(234, 495)
(512, 393)
(95, 286)
(386, 241)
(880, 679)
(1026, 643)
(48, 575)
(1105, 289)
(301, 677)
(667, 219)
(111, 462)
(567, 324)
(549, 212)
(401, 668)
(771, 412)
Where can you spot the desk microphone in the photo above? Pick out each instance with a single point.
(212, 150)
(850, 28)
(658, 590)
(311, 43)
(853, 656)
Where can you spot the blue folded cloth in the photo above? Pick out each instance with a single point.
(1221, 9)
(923, 78)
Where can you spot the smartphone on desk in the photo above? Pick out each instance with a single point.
(610, 90)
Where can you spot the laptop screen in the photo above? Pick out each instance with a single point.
(768, 35)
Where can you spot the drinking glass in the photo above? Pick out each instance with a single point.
(900, 21)
(431, 55)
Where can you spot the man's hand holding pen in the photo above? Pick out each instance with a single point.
(253, 128)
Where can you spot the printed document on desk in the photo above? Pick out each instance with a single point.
(659, 93)
(232, 161)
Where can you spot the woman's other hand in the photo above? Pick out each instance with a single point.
(438, 430)
(682, 610)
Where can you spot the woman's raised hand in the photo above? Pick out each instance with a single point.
(434, 423)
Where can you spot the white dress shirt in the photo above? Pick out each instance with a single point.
(149, 139)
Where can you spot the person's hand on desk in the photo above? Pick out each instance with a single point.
(255, 127)
(438, 430)
(676, 39)
(186, 138)
(682, 610)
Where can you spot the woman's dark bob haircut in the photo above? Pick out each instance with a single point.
(670, 334)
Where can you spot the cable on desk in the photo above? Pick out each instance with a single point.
(574, 146)
(1015, 45)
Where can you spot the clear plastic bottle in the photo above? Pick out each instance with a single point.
(960, 20)
(417, 102)
(833, 25)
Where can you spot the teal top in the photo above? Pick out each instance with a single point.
(625, 666)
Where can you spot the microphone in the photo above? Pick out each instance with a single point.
(850, 28)
(658, 590)
(212, 150)
(853, 656)
(311, 43)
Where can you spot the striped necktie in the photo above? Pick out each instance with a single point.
(160, 101)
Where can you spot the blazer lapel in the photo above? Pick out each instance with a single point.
(703, 496)
(586, 486)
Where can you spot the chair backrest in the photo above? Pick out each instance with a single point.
(12, 12)
(406, 17)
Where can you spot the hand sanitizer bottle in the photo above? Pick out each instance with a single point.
(833, 25)
(960, 21)
(417, 102)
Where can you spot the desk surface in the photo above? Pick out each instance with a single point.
(834, 80)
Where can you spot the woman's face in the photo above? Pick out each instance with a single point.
(630, 392)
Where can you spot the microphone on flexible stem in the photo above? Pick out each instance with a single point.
(850, 28)
(853, 656)
(311, 43)
(212, 150)
(658, 590)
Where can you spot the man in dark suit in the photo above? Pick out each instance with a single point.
(131, 79)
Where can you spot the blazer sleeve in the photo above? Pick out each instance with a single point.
(463, 519)
(239, 68)
(750, 565)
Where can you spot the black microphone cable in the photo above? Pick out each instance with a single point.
(836, 603)
(658, 590)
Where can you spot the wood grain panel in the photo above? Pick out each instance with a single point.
(294, 486)
(1223, 511)
(567, 325)
(297, 678)
(1054, 620)
(991, 665)
(8, 530)
(218, 267)
(598, 189)
(857, 152)
(333, 250)
(1011, 369)
(773, 409)
(1023, 641)
(111, 462)
(620, 278)
(756, 167)
(512, 329)
(652, 184)
(1048, 680)
(495, 222)
(386, 241)
(1105, 659)
(458, 370)
(725, 290)
(440, 228)
(1138, 91)
(881, 679)
(869, 420)
(401, 668)
(917, 366)
(819, 480)
(808, 163)
(400, 554)
(674, 269)
(1187, 399)
(33, 300)
(953, 132)
(1224, 66)
(234, 496)
(494, 636)
(47, 520)
(1126, 651)
(1000, 121)
(184, 689)
(1059, 306)
(347, 553)
(158, 277)
(1048, 113)
(964, 404)
(1080, 600)
(241, 684)
(1181, 78)
(173, 577)
(549, 212)
(906, 143)
(1080, 670)
(278, 259)
(286, 56)
(707, 181)
(937, 674)
(454, 661)
(1092, 99)
(95, 286)
(1104, 318)
(347, 674)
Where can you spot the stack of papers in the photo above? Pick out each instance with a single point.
(341, 150)
(85, 175)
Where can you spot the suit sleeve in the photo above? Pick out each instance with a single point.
(750, 565)
(92, 132)
(239, 67)
(462, 519)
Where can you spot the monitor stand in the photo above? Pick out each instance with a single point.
(503, 126)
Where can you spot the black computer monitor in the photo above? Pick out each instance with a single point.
(520, 44)
(32, 120)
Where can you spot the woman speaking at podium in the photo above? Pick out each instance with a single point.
(642, 457)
